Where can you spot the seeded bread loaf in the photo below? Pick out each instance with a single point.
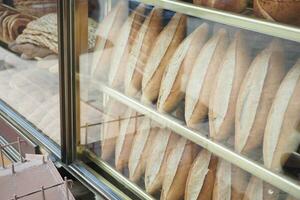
(201, 177)
(282, 133)
(123, 46)
(163, 143)
(124, 140)
(140, 52)
(202, 78)
(141, 148)
(256, 96)
(178, 165)
(224, 94)
(163, 49)
(177, 72)
(107, 34)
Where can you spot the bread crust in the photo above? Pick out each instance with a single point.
(228, 5)
(222, 185)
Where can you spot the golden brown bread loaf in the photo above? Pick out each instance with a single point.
(114, 111)
(107, 34)
(201, 178)
(228, 5)
(163, 49)
(282, 133)
(178, 165)
(222, 185)
(163, 143)
(124, 140)
(123, 46)
(256, 96)
(141, 148)
(286, 11)
(223, 99)
(176, 75)
(258, 190)
(202, 78)
(140, 52)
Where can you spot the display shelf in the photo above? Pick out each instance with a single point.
(237, 20)
(282, 182)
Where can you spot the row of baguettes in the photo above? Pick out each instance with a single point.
(173, 166)
(253, 100)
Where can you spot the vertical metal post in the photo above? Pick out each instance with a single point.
(43, 193)
(20, 149)
(13, 168)
(2, 158)
(66, 187)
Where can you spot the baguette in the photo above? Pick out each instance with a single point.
(123, 46)
(202, 77)
(176, 75)
(163, 49)
(111, 127)
(201, 177)
(222, 185)
(107, 32)
(258, 190)
(141, 49)
(239, 182)
(282, 134)
(124, 140)
(141, 148)
(178, 165)
(256, 95)
(225, 91)
(163, 143)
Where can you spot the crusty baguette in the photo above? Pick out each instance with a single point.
(200, 182)
(224, 94)
(239, 182)
(123, 46)
(163, 49)
(124, 140)
(222, 185)
(163, 143)
(141, 149)
(282, 135)
(256, 96)
(202, 78)
(141, 49)
(108, 32)
(258, 190)
(111, 128)
(178, 165)
(177, 72)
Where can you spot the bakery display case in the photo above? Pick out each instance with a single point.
(196, 102)
(164, 99)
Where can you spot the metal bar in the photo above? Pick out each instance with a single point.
(282, 182)
(20, 149)
(43, 193)
(11, 144)
(236, 20)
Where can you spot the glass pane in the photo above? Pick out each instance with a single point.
(238, 88)
(29, 63)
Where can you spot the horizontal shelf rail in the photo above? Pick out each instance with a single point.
(282, 182)
(237, 20)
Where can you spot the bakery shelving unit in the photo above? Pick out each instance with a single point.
(250, 23)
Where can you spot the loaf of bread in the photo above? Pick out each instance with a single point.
(107, 34)
(201, 177)
(222, 185)
(177, 72)
(124, 140)
(282, 133)
(111, 127)
(202, 78)
(224, 94)
(163, 143)
(141, 148)
(256, 96)
(140, 52)
(178, 165)
(228, 5)
(258, 190)
(281, 11)
(36, 7)
(163, 49)
(123, 46)
(239, 182)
